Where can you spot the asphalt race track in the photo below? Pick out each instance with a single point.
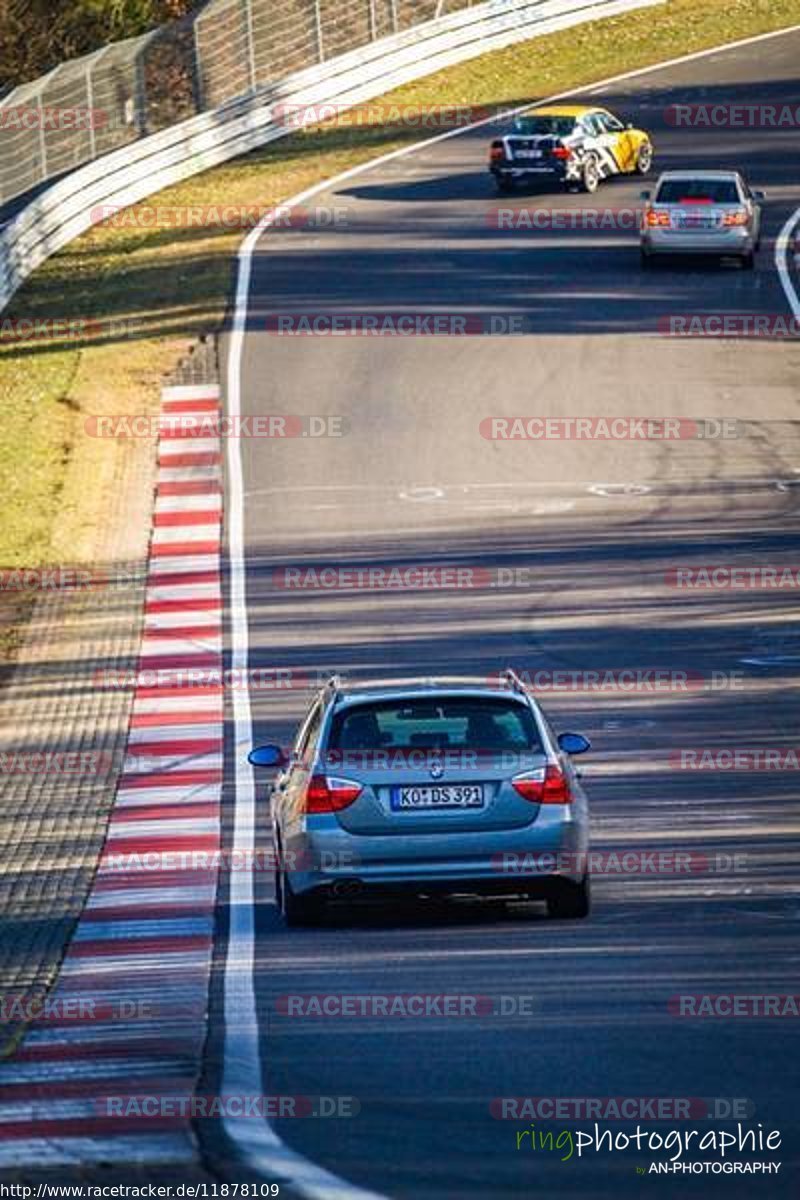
(595, 528)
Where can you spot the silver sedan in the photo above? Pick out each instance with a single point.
(701, 212)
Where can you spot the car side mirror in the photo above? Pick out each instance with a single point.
(267, 756)
(573, 743)
(758, 195)
(644, 195)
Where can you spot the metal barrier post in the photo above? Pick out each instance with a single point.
(320, 45)
(251, 46)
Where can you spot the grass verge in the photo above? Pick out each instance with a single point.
(152, 289)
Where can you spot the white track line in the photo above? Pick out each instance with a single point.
(783, 258)
(257, 1142)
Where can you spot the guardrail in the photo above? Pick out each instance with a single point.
(123, 177)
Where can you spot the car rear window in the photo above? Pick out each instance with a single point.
(436, 723)
(544, 126)
(698, 191)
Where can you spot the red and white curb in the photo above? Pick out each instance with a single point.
(104, 1075)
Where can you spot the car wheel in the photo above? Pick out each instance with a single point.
(748, 261)
(644, 159)
(504, 186)
(590, 176)
(300, 911)
(570, 901)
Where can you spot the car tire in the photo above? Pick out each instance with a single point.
(748, 261)
(504, 186)
(644, 159)
(300, 912)
(590, 176)
(570, 901)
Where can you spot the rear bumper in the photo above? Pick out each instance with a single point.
(529, 860)
(667, 241)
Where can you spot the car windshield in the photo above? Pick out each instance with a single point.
(698, 191)
(436, 723)
(544, 126)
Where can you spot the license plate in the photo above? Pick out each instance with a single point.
(447, 795)
(527, 154)
(690, 221)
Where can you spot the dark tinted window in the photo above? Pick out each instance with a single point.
(544, 126)
(436, 723)
(709, 191)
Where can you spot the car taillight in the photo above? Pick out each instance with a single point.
(325, 794)
(529, 786)
(556, 786)
(738, 217)
(550, 788)
(655, 216)
(561, 152)
(496, 151)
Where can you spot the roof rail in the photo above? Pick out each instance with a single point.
(332, 684)
(511, 679)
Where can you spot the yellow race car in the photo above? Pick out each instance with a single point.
(569, 145)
